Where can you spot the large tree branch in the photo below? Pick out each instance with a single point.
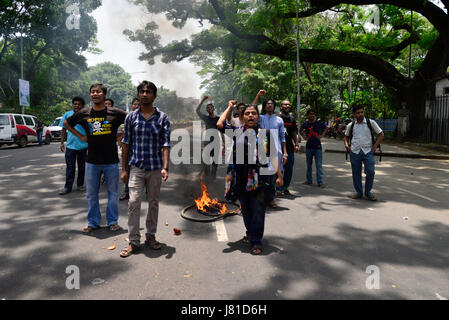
(36, 59)
(432, 12)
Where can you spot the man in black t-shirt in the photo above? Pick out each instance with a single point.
(291, 143)
(101, 124)
(210, 120)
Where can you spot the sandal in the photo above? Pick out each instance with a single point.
(256, 250)
(89, 229)
(372, 197)
(114, 227)
(129, 250)
(153, 243)
(245, 239)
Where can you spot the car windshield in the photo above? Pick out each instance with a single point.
(55, 123)
(4, 119)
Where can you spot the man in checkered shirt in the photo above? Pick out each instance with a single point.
(147, 130)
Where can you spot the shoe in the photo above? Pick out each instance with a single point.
(372, 197)
(322, 185)
(124, 196)
(307, 183)
(153, 243)
(272, 204)
(64, 191)
(81, 189)
(287, 192)
(355, 196)
(279, 194)
(114, 227)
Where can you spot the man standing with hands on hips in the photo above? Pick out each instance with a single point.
(147, 131)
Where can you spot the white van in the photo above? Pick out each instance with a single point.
(20, 129)
(55, 129)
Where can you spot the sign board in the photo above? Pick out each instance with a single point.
(24, 93)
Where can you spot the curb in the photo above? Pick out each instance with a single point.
(401, 155)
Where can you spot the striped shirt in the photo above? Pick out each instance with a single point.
(146, 139)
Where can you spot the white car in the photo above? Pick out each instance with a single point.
(55, 129)
(20, 129)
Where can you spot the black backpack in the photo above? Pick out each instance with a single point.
(368, 122)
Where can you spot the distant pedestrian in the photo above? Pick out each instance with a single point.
(269, 120)
(39, 130)
(291, 144)
(210, 120)
(313, 131)
(75, 150)
(101, 124)
(361, 145)
(147, 132)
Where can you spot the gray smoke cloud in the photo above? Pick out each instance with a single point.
(113, 17)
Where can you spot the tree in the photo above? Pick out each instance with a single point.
(268, 28)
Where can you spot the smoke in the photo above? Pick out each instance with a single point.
(113, 17)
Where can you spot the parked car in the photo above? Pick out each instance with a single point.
(55, 129)
(20, 129)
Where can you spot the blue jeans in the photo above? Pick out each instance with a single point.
(93, 174)
(356, 165)
(39, 137)
(253, 211)
(318, 154)
(288, 171)
(71, 158)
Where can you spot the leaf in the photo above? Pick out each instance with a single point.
(112, 247)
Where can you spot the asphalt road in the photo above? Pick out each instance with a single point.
(318, 245)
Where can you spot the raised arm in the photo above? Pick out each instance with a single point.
(259, 94)
(223, 117)
(198, 109)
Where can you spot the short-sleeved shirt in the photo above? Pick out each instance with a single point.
(361, 136)
(73, 142)
(290, 130)
(101, 127)
(211, 123)
(313, 131)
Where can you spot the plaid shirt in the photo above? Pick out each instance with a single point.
(146, 139)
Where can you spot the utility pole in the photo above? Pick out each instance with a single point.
(410, 50)
(21, 66)
(297, 69)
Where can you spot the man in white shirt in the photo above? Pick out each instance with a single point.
(359, 142)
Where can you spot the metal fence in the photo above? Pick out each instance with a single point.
(437, 120)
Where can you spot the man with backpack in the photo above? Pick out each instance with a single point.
(361, 145)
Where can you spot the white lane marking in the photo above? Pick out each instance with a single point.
(440, 297)
(418, 195)
(222, 235)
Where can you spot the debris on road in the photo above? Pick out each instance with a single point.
(177, 231)
(98, 281)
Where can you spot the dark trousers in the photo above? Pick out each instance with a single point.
(253, 211)
(39, 137)
(71, 158)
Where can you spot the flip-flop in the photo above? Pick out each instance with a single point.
(245, 239)
(126, 252)
(372, 197)
(89, 229)
(256, 250)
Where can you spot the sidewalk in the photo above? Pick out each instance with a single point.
(389, 149)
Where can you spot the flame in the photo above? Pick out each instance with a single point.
(205, 201)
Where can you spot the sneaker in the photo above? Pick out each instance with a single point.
(64, 191)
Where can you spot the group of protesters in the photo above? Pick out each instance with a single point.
(144, 137)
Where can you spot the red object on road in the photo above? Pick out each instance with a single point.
(177, 231)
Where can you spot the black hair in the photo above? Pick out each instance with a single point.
(250, 106)
(210, 104)
(357, 107)
(310, 111)
(134, 100)
(264, 104)
(241, 104)
(112, 101)
(102, 87)
(79, 99)
(148, 84)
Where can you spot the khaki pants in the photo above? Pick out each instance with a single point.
(139, 178)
